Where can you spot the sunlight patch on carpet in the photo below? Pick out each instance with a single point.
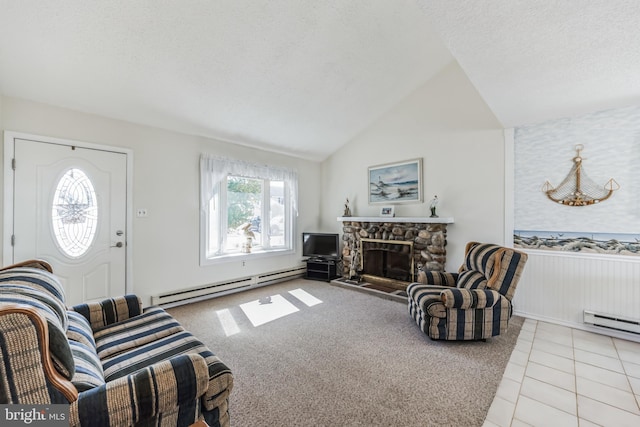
(267, 309)
(228, 322)
(305, 297)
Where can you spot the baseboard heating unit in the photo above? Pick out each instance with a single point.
(612, 322)
(184, 296)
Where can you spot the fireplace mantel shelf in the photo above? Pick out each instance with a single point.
(417, 219)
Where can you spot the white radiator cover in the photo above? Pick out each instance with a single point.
(184, 296)
(558, 287)
(611, 322)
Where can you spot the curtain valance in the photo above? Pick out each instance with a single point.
(214, 169)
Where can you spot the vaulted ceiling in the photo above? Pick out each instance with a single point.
(303, 77)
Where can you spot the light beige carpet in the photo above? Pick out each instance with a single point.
(351, 360)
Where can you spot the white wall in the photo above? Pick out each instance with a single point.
(166, 182)
(448, 124)
(558, 287)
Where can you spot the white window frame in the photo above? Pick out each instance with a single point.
(213, 187)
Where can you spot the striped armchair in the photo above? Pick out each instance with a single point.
(473, 304)
(112, 362)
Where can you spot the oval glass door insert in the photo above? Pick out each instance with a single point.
(74, 213)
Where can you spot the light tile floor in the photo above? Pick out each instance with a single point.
(558, 376)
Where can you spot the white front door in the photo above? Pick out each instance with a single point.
(70, 209)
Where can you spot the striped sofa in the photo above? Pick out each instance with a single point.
(114, 363)
(473, 304)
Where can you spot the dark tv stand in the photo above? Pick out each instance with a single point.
(321, 269)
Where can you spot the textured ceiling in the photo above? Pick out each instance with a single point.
(303, 77)
(534, 60)
(299, 76)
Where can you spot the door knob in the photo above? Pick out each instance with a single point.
(117, 245)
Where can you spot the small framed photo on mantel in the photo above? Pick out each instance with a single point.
(387, 211)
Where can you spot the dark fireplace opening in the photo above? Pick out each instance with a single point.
(388, 260)
(385, 263)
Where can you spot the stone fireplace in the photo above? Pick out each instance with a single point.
(392, 250)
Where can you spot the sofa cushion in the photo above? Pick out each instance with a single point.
(104, 313)
(36, 290)
(88, 372)
(39, 284)
(472, 280)
(481, 257)
(42, 290)
(508, 274)
(79, 330)
(183, 342)
(152, 325)
(427, 298)
(470, 298)
(34, 278)
(437, 278)
(153, 337)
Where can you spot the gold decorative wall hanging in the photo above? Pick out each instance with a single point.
(577, 189)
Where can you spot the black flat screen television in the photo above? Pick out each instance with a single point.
(320, 245)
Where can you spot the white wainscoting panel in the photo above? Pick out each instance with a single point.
(557, 287)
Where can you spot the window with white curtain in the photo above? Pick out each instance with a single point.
(247, 209)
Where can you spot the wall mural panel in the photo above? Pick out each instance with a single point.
(545, 152)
